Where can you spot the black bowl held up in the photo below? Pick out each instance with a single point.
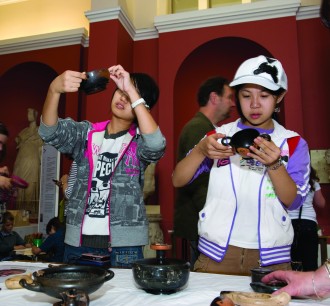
(161, 275)
(242, 140)
(55, 281)
(96, 81)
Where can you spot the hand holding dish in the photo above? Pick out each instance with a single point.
(96, 81)
(242, 140)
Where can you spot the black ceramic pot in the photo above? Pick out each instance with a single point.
(54, 281)
(258, 273)
(161, 275)
(242, 140)
(258, 286)
(96, 81)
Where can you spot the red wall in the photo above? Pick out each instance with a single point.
(24, 81)
(109, 45)
(314, 48)
(180, 61)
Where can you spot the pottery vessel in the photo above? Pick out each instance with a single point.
(96, 81)
(55, 281)
(242, 140)
(161, 275)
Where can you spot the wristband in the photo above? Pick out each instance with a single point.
(276, 165)
(314, 288)
(139, 101)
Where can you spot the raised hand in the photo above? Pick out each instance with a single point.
(68, 81)
(121, 77)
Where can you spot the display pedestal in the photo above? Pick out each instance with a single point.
(155, 232)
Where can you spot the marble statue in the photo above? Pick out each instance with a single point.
(27, 164)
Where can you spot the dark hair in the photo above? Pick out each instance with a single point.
(7, 216)
(237, 88)
(214, 84)
(3, 131)
(53, 222)
(146, 86)
(313, 177)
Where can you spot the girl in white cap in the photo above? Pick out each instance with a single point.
(244, 223)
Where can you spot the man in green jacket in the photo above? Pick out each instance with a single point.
(215, 99)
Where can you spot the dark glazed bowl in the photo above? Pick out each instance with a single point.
(258, 273)
(96, 81)
(54, 281)
(242, 140)
(161, 275)
(267, 288)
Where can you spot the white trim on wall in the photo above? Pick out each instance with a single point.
(227, 15)
(45, 41)
(167, 23)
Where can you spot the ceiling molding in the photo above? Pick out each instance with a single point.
(118, 13)
(227, 15)
(45, 41)
(144, 34)
(167, 23)
(308, 12)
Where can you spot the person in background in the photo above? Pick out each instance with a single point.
(5, 180)
(311, 284)
(105, 212)
(9, 239)
(215, 99)
(244, 223)
(68, 180)
(305, 245)
(53, 245)
(66, 183)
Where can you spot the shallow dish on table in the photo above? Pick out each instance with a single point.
(54, 281)
(267, 288)
(233, 298)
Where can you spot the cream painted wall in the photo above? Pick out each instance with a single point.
(310, 2)
(34, 17)
(142, 13)
(22, 18)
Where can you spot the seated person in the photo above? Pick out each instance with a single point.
(9, 239)
(53, 246)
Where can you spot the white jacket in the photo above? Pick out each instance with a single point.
(217, 218)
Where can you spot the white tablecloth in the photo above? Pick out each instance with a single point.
(201, 290)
